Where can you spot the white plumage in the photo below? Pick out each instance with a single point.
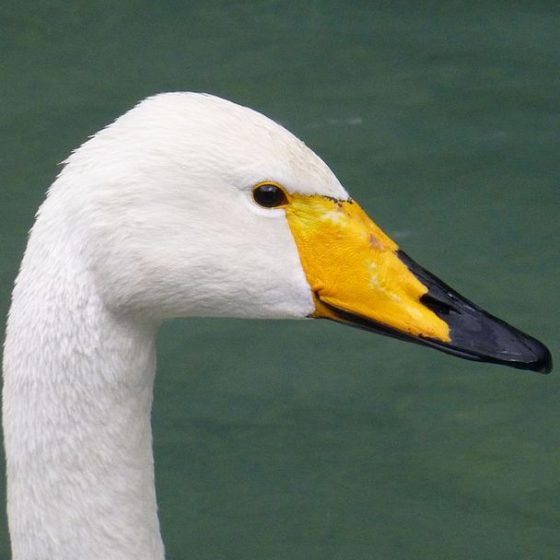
(151, 218)
(162, 215)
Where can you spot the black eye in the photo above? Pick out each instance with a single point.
(269, 195)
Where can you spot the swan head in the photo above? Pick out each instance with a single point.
(190, 205)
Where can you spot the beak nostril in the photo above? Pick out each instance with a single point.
(439, 307)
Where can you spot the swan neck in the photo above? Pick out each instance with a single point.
(77, 397)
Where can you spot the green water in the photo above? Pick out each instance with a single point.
(287, 440)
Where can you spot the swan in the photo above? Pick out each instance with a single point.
(187, 205)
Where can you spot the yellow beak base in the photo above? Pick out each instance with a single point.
(353, 266)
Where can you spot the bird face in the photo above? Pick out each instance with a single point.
(199, 207)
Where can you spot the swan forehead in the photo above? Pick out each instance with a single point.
(212, 139)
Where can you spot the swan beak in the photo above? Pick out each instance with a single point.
(360, 277)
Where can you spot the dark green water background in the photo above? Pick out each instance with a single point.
(308, 440)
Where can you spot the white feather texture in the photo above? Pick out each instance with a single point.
(152, 218)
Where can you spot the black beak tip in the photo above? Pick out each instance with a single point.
(475, 334)
(542, 362)
(503, 344)
(488, 339)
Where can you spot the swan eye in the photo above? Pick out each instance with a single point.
(269, 195)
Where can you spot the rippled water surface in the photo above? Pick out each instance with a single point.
(308, 440)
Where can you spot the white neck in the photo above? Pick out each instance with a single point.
(76, 411)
